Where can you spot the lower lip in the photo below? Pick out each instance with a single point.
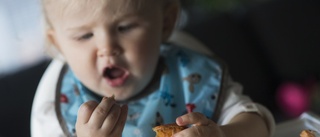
(117, 82)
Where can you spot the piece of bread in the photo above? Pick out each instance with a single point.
(167, 130)
(308, 133)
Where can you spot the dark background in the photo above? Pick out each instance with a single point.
(264, 44)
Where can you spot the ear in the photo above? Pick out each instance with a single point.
(51, 37)
(169, 20)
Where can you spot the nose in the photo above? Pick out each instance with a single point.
(108, 46)
(108, 52)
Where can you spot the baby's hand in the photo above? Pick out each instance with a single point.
(106, 119)
(201, 126)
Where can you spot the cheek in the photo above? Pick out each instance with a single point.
(148, 49)
(76, 53)
(80, 59)
(82, 64)
(84, 67)
(144, 56)
(148, 56)
(144, 49)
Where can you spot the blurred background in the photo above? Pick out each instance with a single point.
(271, 48)
(21, 39)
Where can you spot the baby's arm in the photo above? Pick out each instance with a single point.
(240, 117)
(243, 125)
(106, 119)
(239, 109)
(246, 125)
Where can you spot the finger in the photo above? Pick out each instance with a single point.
(101, 111)
(121, 121)
(85, 111)
(193, 118)
(195, 131)
(111, 120)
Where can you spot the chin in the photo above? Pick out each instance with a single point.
(121, 96)
(124, 96)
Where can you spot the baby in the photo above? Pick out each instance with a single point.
(118, 76)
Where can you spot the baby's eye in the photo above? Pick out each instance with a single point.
(85, 36)
(125, 28)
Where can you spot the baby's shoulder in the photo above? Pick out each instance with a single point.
(186, 57)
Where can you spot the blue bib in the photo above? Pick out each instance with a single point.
(190, 82)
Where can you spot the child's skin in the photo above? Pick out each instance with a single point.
(96, 35)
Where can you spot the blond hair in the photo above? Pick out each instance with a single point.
(56, 8)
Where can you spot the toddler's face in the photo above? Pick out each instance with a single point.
(111, 45)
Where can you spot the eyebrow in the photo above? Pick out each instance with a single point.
(80, 27)
(76, 28)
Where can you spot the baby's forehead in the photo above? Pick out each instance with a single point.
(69, 7)
(96, 4)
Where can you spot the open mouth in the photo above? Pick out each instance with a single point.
(113, 73)
(115, 76)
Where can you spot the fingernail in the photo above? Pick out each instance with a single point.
(179, 121)
(111, 99)
(104, 98)
(112, 96)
